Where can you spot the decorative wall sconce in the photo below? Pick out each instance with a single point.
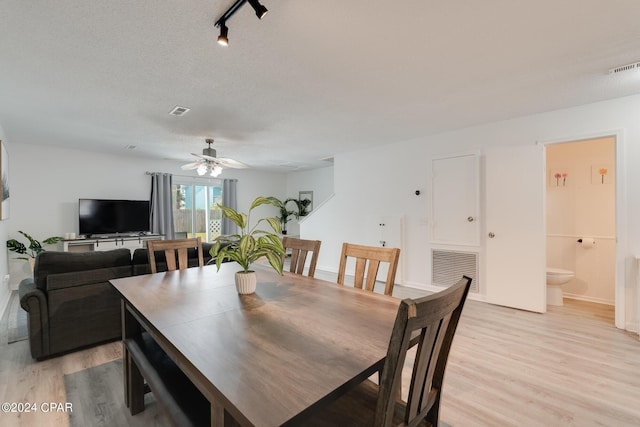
(602, 172)
(562, 175)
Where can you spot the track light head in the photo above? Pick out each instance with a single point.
(260, 9)
(223, 38)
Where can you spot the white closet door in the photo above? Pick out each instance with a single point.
(455, 200)
(515, 240)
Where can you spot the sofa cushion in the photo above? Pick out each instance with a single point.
(88, 277)
(53, 262)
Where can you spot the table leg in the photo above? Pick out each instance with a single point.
(133, 380)
(125, 353)
(217, 414)
(125, 374)
(135, 387)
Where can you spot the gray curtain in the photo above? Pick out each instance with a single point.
(161, 209)
(229, 199)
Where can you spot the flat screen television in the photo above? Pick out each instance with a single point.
(102, 216)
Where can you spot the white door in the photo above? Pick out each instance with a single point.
(515, 229)
(454, 200)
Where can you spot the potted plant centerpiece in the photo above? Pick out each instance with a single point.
(249, 245)
(34, 248)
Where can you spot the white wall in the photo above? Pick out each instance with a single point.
(581, 205)
(362, 185)
(46, 183)
(5, 291)
(320, 181)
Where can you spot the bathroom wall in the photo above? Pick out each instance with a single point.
(582, 204)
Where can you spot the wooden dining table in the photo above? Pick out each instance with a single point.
(269, 358)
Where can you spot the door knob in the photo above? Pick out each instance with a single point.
(470, 218)
(491, 235)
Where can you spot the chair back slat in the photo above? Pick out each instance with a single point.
(434, 318)
(298, 260)
(299, 250)
(368, 258)
(372, 273)
(174, 250)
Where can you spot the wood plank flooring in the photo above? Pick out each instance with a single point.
(568, 367)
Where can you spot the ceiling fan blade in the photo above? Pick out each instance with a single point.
(230, 163)
(189, 166)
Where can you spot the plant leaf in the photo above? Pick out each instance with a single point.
(52, 240)
(238, 219)
(275, 261)
(15, 246)
(275, 224)
(263, 201)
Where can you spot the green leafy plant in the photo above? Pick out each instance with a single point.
(251, 243)
(285, 214)
(303, 207)
(34, 248)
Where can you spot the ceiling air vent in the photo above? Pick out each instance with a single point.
(622, 68)
(179, 111)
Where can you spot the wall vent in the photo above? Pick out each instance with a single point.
(622, 68)
(179, 111)
(447, 267)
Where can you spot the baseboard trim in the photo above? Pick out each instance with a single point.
(433, 288)
(589, 299)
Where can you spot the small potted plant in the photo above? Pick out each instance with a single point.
(249, 245)
(285, 214)
(34, 248)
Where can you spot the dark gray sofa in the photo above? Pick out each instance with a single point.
(70, 303)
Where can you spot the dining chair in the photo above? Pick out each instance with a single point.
(170, 248)
(300, 248)
(430, 323)
(369, 258)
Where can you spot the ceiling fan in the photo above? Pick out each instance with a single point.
(208, 163)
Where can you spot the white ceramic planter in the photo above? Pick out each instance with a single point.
(246, 282)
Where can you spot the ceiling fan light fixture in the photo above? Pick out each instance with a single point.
(210, 164)
(260, 9)
(223, 38)
(216, 171)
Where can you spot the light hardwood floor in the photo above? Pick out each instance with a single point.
(568, 367)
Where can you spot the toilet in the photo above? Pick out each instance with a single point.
(556, 277)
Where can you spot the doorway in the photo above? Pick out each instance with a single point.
(581, 216)
(195, 212)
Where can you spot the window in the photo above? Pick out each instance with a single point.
(194, 209)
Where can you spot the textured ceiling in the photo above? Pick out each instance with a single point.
(311, 79)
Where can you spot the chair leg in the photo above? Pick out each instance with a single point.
(433, 415)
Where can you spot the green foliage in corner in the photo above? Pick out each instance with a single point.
(34, 248)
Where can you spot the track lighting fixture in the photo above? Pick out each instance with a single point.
(223, 38)
(260, 9)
